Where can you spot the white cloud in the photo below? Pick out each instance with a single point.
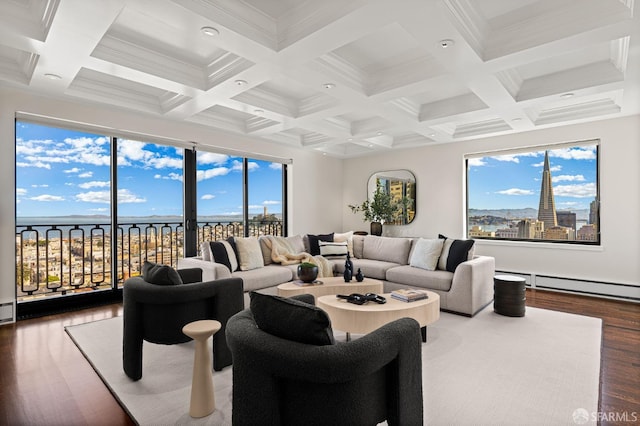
(38, 164)
(124, 196)
(47, 198)
(515, 191)
(44, 185)
(165, 162)
(85, 175)
(252, 165)
(575, 153)
(512, 158)
(211, 173)
(21, 191)
(570, 178)
(211, 158)
(477, 162)
(275, 166)
(583, 190)
(174, 176)
(270, 202)
(95, 184)
(208, 197)
(72, 170)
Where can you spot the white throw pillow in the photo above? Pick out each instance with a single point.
(333, 250)
(249, 253)
(345, 236)
(426, 253)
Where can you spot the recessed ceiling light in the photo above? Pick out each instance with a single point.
(51, 76)
(328, 85)
(379, 133)
(566, 95)
(431, 135)
(210, 31)
(241, 82)
(516, 119)
(258, 111)
(446, 43)
(349, 139)
(370, 145)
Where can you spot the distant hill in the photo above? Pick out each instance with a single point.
(582, 214)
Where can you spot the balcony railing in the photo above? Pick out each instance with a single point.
(58, 259)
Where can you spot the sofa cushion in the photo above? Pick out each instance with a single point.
(291, 319)
(267, 276)
(454, 252)
(370, 268)
(425, 253)
(333, 250)
(249, 253)
(205, 251)
(223, 252)
(388, 249)
(156, 273)
(311, 245)
(421, 278)
(358, 246)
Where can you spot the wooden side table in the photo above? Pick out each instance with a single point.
(202, 398)
(509, 295)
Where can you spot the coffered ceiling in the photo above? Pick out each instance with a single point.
(344, 77)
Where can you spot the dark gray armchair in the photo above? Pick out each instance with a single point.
(362, 382)
(157, 313)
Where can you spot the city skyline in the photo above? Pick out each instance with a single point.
(62, 172)
(513, 181)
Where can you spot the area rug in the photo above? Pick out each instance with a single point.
(542, 368)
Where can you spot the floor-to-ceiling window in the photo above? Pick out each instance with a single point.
(89, 204)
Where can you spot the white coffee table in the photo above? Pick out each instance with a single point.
(331, 285)
(363, 319)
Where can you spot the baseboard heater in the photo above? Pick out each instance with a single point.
(6, 312)
(592, 288)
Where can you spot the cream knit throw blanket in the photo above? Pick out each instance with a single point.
(282, 252)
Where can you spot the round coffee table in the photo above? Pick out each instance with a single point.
(331, 285)
(362, 319)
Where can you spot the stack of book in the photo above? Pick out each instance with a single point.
(409, 295)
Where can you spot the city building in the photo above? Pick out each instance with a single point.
(547, 205)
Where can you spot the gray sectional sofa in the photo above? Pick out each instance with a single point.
(465, 290)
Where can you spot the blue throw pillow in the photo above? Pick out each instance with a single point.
(291, 319)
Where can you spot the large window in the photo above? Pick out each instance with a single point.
(89, 204)
(543, 194)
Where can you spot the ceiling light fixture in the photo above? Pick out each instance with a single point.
(51, 76)
(328, 85)
(446, 43)
(349, 139)
(240, 82)
(566, 95)
(379, 133)
(258, 111)
(210, 31)
(515, 120)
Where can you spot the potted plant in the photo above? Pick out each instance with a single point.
(380, 208)
(307, 272)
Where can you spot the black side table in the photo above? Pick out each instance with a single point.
(509, 295)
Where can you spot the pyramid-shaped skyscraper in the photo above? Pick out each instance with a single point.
(547, 206)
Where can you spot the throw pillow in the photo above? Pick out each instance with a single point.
(205, 251)
(314, 247)
(333, 250)
(249, 253)
(155, 273)
(291, 319)
(454, 252)
(345, 236)
(222, 252)
(426, 254)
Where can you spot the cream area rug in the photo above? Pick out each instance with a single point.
(541, 369)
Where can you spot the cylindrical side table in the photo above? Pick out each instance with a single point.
(202, 399)
(509, 295)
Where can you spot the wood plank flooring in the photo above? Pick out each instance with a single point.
(45, 380)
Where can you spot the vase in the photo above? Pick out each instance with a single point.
(376, 228)
(347, 275)
(307, 275)
(359, 276)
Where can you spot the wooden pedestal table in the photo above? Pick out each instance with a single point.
(363, 319)
(331, 285)
(202, 399)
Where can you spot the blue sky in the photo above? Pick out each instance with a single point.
(61, 172)
(513, 181)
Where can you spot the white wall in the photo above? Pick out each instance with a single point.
(439, 170)
(314, 179)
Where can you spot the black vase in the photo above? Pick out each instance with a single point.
(376, 228)
(307, 275)
(348, 264)
(359, 276)
(347, 275)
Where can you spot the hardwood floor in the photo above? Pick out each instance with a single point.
(45, 380)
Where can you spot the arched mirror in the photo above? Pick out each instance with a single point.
(400, 185)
